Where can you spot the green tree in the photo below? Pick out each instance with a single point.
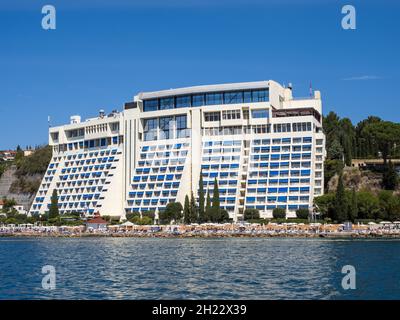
(173, 211)
(325, 205)
(279, 213)
(341, 206)
(368, 205)
(208, 214)
(347, 139)
(389, 205)
(332, 167)
(194, 212)
(202, 210)
(186, 210)
(251, 214)
(215, 203)
(353, 209)
(302, 213)
(390, 179)
(53, 211)
(335, 151)
(224, 216)
(385, 135)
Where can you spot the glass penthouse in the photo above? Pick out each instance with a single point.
(264, 148)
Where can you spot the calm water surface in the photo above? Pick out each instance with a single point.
(130, 268)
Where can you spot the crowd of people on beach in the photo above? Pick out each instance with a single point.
(208, 230)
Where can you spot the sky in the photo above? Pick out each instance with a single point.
(102, 53)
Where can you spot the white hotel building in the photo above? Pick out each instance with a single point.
(265, 148)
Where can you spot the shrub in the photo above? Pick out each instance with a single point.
(302, 213)
(131, 215)
(251, 214)
(279, 213)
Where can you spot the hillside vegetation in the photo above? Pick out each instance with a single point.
(30, 170)
(352, 194)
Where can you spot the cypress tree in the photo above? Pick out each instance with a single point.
(340, 208)
(186, 210)
(202, 213)
(215, 203)
(53, 211)
(353, 208)
(208, 208)
(194, 217)
(390, 178)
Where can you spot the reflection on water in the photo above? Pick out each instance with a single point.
(129, 268)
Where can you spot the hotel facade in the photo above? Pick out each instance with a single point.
(264, 148)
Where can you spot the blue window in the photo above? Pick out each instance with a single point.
(282, 199)
(273, 173)
(233, 97)
(198, 100)
(167, 103)
(259, 113)
(260, 95)
(214, 98)
(182, 102)
(272, 190)
(247, 96)
(150, 105)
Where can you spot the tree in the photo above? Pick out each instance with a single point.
(325, 205)
(302, 213)
(347, 138)
(389, 205)
(8, 204)
(335, 151)
(353, 209)
(53, 211)
(385, 135)
(390, 180)
(208, 213)
(224, 216)
(340, 207)
(368, 205)
(279, 213)
(194, 215)
(149, 214)
(332, 167)
(251, 214)
(186, 210)
(215, 203)
(202, 210)
(173, 211)
(129, 216)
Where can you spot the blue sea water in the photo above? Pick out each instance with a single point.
(238, 268)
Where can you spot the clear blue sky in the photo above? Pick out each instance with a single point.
(102, 53)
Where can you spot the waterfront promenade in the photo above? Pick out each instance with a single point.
(208, 230)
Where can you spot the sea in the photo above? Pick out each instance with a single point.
(199, 268)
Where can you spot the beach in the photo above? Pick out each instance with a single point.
(227, 230)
